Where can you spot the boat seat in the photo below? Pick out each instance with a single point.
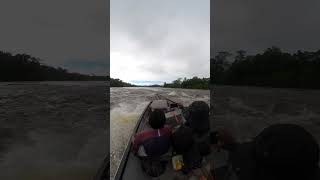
(159, 104)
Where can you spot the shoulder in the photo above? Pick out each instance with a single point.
(144, 133)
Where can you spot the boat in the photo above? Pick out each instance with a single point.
(130, 165)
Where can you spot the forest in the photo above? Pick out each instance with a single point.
(119, 83)
(192, 83)
(271, 68)
(23, 67)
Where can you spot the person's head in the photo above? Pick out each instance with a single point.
(157, 119)
(286, 151)
(199, 111)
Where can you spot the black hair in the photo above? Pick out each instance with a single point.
(199, 109)
(200, 106)
(157, 119)
(198, 118)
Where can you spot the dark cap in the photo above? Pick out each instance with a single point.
(157, 119)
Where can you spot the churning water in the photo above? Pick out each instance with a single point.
(52, 130)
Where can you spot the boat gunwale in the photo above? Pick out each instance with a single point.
(125, 156)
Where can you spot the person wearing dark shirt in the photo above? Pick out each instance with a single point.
(198, 117)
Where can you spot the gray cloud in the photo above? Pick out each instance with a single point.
(56, 31)
(165, 38)
(256, 25)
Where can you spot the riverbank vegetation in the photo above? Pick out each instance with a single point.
(119, 83)
(23, 67)
(192, 83)
(272, 68)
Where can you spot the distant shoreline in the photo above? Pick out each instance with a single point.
(154, 87)
(192, 83)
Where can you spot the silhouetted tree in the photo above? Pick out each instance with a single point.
(218, 65)
(193, 83)
(241, 55)
(119, 83)
(23, 67)
(273, 68)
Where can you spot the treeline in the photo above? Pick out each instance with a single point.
(272, 68)
(23, 67)
(119, 83)
(193, 83)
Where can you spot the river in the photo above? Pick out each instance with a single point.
(59, 130)
(245, 111)
(53, 130)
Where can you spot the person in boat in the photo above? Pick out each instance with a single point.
(198, 117)
(155, 141)
(188, 140)
(280, 151)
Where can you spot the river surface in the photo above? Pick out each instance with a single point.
(59, 130)
(53, 130)
(244, 111)
(126, 104)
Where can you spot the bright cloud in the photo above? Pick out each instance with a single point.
(159, 41)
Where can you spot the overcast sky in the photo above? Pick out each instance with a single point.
(256, 25)
(154, 41)
(67, 33)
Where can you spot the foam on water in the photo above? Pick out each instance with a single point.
(123, 120)
(52, 156)
(184, 94)
(173, 93)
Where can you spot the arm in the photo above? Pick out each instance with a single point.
(223, 139)
(139, 138)
(136, 142)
